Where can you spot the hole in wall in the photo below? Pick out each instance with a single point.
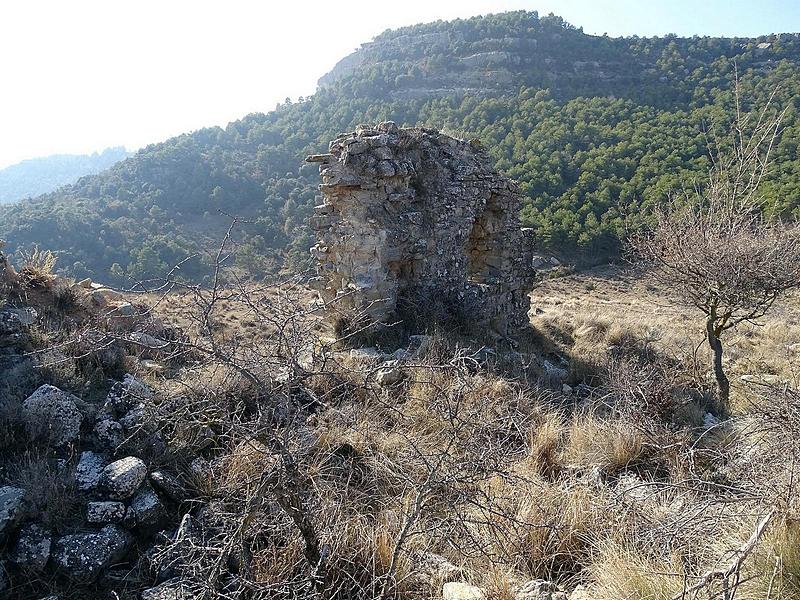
(485, 244)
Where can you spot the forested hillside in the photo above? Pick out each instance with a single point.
(595, 129)
(37, 176)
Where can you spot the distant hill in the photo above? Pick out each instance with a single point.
(38, 176)
(595, 129)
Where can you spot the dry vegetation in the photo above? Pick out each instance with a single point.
(623, 482)
(588, 313)
(313, 474)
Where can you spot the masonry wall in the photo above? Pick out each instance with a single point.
(412, 217)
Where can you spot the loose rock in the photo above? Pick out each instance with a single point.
(11, 505)
(52, 414)
(127, 393)
(169, 590)
(435, 567)
(123, 477)
(540, 589)
(83, 556)
(134, 419)
(457, 590)
(32, 550)
(147, 507)
(389, 374)
(109, 433)
(105, 512)
(88, 471)
(169, 485)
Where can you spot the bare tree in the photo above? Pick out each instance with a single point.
(715, 248)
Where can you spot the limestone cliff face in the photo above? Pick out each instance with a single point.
(413, 216)
(491, 66)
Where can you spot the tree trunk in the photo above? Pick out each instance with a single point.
(723, 384)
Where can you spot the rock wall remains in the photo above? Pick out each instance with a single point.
(414, 217)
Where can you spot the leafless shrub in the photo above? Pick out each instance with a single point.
(716, 249)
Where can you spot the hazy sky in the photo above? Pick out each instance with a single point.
(80, 75)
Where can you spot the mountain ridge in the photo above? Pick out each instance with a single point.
(590, 152)
(36, 176)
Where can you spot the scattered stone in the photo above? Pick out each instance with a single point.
(103, 295)
(25, 316)
(173, 589)
(52, 414)
(710, 420)
(540, 589)
(205, 438)
(32, 550)
(127, 393)
(105, 512)
(153, 444)
(88, 471)
(420, 344)
(458, 590)
(566, 389)
(152, 366)
(124, 309)
(10, 325)
(83, 556)
(123, 477)
(136, 418)
(129, 520)
(485, 356)
(169, 485)
(109, 434)
(147, 341)
(580, 593)
(401, 354)
(200, 467)
(763, 379)
(366, 354)
(85, 283)
(389, 374)
(12, 501)
(386, 168)
(435, 567)
(553, 373)
(147, 507)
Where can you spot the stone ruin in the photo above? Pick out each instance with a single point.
(413, 218)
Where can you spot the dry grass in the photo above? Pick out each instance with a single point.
(531, 484)
(50, 491)
(619, 306)
(611, 445)
(620, 572)
(622, 487)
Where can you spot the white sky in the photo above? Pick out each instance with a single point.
(77, 76)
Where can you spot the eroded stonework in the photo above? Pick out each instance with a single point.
(412, 218)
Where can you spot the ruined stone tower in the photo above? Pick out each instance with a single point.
(412, 217)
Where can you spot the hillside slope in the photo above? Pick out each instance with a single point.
(595, 129)
(38, 176)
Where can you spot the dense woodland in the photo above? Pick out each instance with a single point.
(595, 129)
